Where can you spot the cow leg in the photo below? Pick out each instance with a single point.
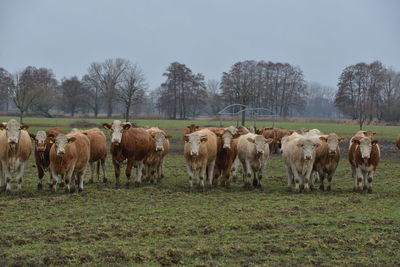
(370, 177)
(7, 176)
(360, 179)
(80, 176)
(92, 170)
(117, 171)
(139, 172)
(202, 176)
(21, 169)
(161, 169)
(54, 179)
(366, 176)
(247, 173)
(210, 172)
(217, 174)
(330, 178)
(289, 174)
(98, 170)
(235, 169)
(2, 187)
(40, 177)
(354, 175)
(296, 178)
(321, 180)
(128, 172)
(103, 168)
(190, 174)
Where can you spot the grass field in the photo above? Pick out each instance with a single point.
(165, 225)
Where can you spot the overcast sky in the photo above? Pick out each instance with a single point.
(322, 37)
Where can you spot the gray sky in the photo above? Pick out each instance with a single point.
(322, 37)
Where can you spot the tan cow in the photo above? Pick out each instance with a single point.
(298, 153)
(398, 141)
(69, 157)
(253, 153)
(154, 161)
(130, 145)
(200, 152)
(327, 159)
(98, 152)
(43, 145)
(364, 156)
(15, 149)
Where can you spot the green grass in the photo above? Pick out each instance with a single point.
(165, 225)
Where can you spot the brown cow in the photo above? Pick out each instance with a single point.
(42, 151)
(129, 145)
(364, 156)
(98, 152)
(154, 161)
(398, 141)
(69, 156)
(276, 134)
(200, 152)
(15, 149)
(226, 154)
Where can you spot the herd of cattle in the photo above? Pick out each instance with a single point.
(211, 153)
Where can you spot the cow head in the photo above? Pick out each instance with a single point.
(13, 130)
(60, 142)
(191, 128)
(229, 133)
(308, 147)
(194, 140)
(365, 144)
(159, 140)
(260, 142)
(117, 128)
(332, 140)
(40, 140)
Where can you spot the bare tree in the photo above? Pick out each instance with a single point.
(6, 83)
(72, 94)
(92, 91)
(34, 89)
(107, 76)
(131, 88)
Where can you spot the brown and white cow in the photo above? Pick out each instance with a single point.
(130, 145)
(226, 154)
(43, 144)
(253, 153)
(298, 153)
(69, 157)
(327, 158)
(200, 151)
(15, 149)
(98, 152)
(364, 157)
(154, 161)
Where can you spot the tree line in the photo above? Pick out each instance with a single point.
(117, 86)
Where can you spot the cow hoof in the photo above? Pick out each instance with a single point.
(80, 189)
(105, 180)
(2, 188)
(328, 188)
(72, 190)
(162, 176)
(137, 184)
(321, 187)
(128, 184)
(66, 190)
(62, 184)
(117, 186)
(369, 190)
(90, 181)
(365, 187)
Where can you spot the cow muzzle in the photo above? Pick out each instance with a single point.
(332, 152)
(60, 153)
(226, 147)
(260, 152)
(194, 154)
(159, 149)
(308, 157)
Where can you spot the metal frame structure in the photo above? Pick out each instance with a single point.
(256, 112)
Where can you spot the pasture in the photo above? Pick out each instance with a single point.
(164, 224)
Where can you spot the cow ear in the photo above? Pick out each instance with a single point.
(251, 140)
(51, 138)
(197, 127)
(126, 126)
(323, 138)
(203, 139)
(24, 127)
(269, 140)
(168, 137)
(2, 126)
(357, 141)
(342, 139)
(106, 126)
(85, 133)
(374, 142)
(186, 138)
(32, 136)
(71, 139)
(374, 133)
